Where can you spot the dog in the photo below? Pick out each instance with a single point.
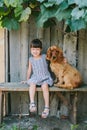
(67, 75)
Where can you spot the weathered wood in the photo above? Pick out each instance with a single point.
(1, 110)
(24, 50)
(32, 29)
(69, 48)
(14, 56)
(82, 54)
(56, 34)
(46, 39)
(54, 102)
(14, 87)
(17, 86)
(21, 103)
(40, 102)
(73, 116)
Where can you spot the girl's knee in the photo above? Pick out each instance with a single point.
(32, 86)
(45, 87)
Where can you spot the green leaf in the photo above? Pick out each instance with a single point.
(81, 3)
(18, 10)
(77, 13)
(48, 4)
(45, 14)
(4, 11)
(13, 3)
(10, 23)
(1, 3)
(65, 14)
(71, 2)
(49, 23)
(56, 1)
(40, 1)
(63, 5)
(25, 14)
(85, 18)
(77, 24)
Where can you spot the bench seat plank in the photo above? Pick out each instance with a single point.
(17, 86)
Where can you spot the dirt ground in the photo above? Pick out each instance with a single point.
(37, 123)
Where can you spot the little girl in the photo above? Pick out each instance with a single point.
(38, 74)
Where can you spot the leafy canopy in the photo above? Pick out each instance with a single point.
(46, 13)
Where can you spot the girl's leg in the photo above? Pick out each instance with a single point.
(45, 90)
(32, 90)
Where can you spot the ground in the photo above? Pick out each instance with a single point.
(37, 123)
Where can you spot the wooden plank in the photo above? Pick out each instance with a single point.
(46, 39)
(1, 110)
(21, 103)
(56, 34)
(6, 55)
(73, 113)
(23, 61)
(14, 41)
(40, 103)
(15, 56)
(54, 102)
(32, 30)
(69, 48)
(21, 106)
(17, 86)
(82, 54)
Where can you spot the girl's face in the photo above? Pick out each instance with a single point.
(36, 52)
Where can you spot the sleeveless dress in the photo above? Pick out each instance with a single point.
(40, 73)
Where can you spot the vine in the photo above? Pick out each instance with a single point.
(46, 13)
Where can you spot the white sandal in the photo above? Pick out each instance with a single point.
(32, 107)
(45, 113)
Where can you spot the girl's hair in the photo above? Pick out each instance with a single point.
(36, 43)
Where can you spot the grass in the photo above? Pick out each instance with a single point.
(14, 127)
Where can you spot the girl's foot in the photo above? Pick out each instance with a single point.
(45, 113)
(32, 107)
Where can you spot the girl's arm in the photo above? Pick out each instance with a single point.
(29, 70)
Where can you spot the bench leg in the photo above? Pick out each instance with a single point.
(74, 109)
(1, 107)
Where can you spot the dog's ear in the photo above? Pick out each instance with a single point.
(48, 55)
(61, 55)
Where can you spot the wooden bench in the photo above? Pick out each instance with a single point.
(15, 87)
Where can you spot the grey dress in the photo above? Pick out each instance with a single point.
(40, 73)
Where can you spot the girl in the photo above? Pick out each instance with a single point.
(38, 74)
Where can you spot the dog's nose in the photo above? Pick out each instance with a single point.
(54, 57)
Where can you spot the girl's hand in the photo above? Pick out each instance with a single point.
(23, 82)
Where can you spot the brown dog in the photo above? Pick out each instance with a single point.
(68, 76)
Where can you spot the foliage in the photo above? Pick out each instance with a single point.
(46, 13)
(14, 127)
(73, 127)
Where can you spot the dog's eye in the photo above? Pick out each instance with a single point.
(57, 51)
